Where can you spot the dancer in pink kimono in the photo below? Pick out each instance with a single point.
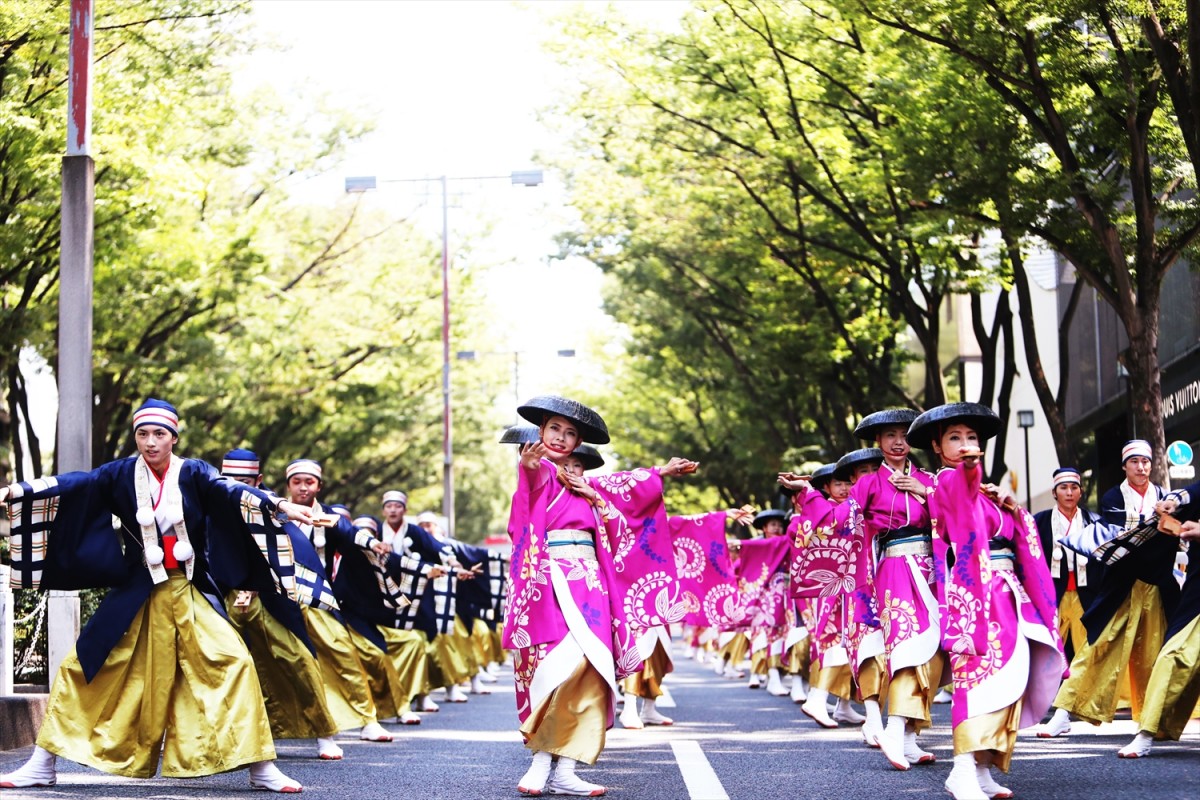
(898, 546)
(764, 569)
(592, 569)
(830, 658)
(999, 617)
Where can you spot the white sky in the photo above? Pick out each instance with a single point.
(454, 87)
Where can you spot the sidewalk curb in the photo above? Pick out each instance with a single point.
(20, 718)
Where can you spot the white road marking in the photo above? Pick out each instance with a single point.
(702, 781)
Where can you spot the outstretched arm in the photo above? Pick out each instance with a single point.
(678, 466)
(742, 516)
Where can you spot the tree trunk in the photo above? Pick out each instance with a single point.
(1033, 360)
(1145, 383)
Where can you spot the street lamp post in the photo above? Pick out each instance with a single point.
(1025, 422)
(358, 184)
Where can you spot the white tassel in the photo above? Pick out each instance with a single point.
(319, 541)
(172, 516)
(145, 517)
(154, 555)
(183, 551)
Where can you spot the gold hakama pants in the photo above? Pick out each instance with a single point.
(406, 649)
(380, 673)
(1070, 622)
(449, 665)
(572, 721)
(735, 650)
(465, 646)
(872, 678)
(347, 692)
(911, 690)
(288, 673)
(835, 680)
(798, 658)
(481, 643)
(761, 663)
(1174, 687)
(647, 682)
(1131, 640)
(179, 683)
(995, 732)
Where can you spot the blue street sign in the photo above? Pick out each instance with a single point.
(1179, 453)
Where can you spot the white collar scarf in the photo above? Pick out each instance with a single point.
(1137, 506)
(168, 517)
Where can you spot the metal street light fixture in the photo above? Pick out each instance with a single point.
(1025, 422)
(470, 355)
(365, 183)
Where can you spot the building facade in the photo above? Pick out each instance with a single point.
(1098, 393)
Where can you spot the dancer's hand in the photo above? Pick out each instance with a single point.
(381, 548)
(999, 495)
(579, 485)
(1190, 530)
(678, 466)
(909, 484)
(742, 516)
(532, 455)
(1165, 506)
(295, 512)
(797, 483)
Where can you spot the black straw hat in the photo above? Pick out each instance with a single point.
(766, 515)
(519, 434)
(589, 455)
(846, 464)
(822, 476)
(590, 425)
(977, 416)
(872, 424)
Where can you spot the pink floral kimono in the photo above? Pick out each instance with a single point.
(1000, 620)
(584, 584)
(827, 569)
(706, 575)
(763, 568)
(903, 588)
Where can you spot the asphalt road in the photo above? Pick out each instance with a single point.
(758, 747)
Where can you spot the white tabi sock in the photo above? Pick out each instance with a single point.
(39, 770)
(328, 749)
(629, 715)
(265, 775)
(963, 783)
(988, 783)
(565, 781)
(895, 727)
(651, 715)
(533, 782)
(892, 742)
(874, 716)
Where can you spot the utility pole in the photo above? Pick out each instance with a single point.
(73, 444)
